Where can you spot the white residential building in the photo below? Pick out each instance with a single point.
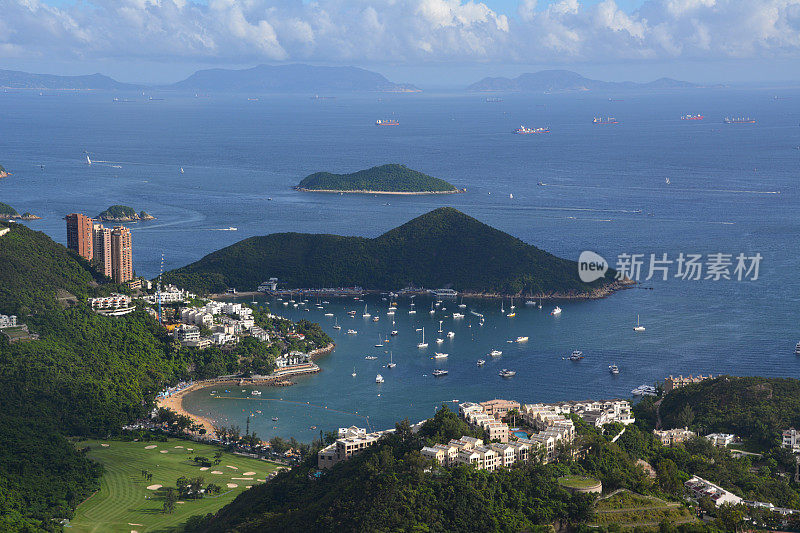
(700, 487)
(469, 450)
(114, 305)
(791, 440)
(721, 439)
(668, 437)
(354, 441)
(8, 321)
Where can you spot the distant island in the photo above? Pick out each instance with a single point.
(9, 213)
(257, 80)
(123, 213)
(383, 179)
(3, 172)
(290, 78)
(551, 81)
(440, 249)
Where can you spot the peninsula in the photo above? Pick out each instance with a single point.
(442, 248)
(383, 179)
(123, 213)
(9, 213)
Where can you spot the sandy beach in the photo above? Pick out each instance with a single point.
(175, 403)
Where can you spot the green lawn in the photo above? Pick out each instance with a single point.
(124, 502)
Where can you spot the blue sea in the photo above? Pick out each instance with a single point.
(733, 189)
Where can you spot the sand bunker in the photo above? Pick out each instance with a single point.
(249, 474)
(163, 451)
(179, 446)
(150, 447)
(249, 486)
(216, 472)
(243, 478)
(232, 485)
(104, 445)
(203, 468)
(234, 467)
(154, 487)
(262, 480)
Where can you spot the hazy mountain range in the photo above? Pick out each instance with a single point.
(549, 81)
(256, 80)
(265, 79)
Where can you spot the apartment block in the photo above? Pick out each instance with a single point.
(499, 408)
(671, 383)
(345, 447)
(79, 235)
(468, 450)
(101, 249)
(791, 440)
(121, 255)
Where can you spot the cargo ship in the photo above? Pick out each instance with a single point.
(692, 117)
(607, 120)
(739, 120)
(389, 122)
(522, 130)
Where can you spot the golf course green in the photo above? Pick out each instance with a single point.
(129, 502)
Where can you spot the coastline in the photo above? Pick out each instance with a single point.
(401, 193)
(175, 400)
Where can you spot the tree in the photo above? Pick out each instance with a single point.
(685, 417)
(170, 499)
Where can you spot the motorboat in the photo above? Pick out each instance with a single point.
(379, 379)
(456, 316)
(256, 393)
(450, 334)
(614, 369)
(481, 362)
(576, 355)
(439, 340)
(506, 373)
(440, 355)
(438, 372)
(556, 311)
(496, 353)
(351, 332)
(644, 390)
(370, 357)
(522, 339)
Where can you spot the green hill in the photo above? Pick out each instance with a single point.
(442, 248)
(384, 178)
(754, 408)
(6, 211)
(35, 269)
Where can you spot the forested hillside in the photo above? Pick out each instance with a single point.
(443, 248)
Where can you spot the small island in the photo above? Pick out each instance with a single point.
(383, 179)
(123, 213)
(3, 172)
(9, 213)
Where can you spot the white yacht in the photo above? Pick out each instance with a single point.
(614, 369)
(556, 311)
(439, 340)
(380, 342)
(522, 339)
(336, 325)
(440, 355)
(412, 311)
(379, 379)
(481, 362)
(639, 326)
(391, 364)
(256, 393)
(370, 357)
(450, 334)
(328, 314)
(352, 332)
(366, 314)
(797, 349)
(422, 343)
(438, 372)
(506, 373)
(496, 353)
(644, 390)
(456, 316)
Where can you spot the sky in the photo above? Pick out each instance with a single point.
(416, 41)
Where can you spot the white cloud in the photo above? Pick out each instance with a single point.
(397, 30)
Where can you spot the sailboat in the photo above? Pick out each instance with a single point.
(512, 304)
(336, 325)
(432, 311)
(412, 311)
(440, 326)
(391, 364)
(88, 161)
(422, 344)
(354, 372)
(502, 309)
(513, 313)
(366, 314)
(181, 170)
(380, 342)
(638, 327)
(462, 305)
